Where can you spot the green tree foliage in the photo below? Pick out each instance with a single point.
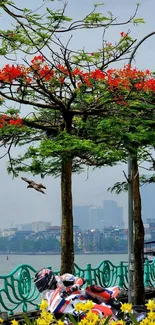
(82, 111)
(20, 244)
(47, 78)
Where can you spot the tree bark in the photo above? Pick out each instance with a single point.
(67, 244)
(139, 292)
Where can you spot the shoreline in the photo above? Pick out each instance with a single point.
(59, 253)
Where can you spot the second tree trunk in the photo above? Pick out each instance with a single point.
(67, 245)
(139, 292)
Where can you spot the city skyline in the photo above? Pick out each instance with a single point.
(95, 217)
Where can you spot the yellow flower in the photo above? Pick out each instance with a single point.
(78, 307)
(41, 321)
(126, 308)
(14, 322)
(151, 315)
(84, 306)
(48, 317)
(92, 317)
(83, 321)
(81, 307)
(150, 305)
(89, 305)
(145, 321)
(43, 305)
(59, 322)
(1, 320)
(119, 322)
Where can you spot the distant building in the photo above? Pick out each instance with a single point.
(148, 201)
(150, 229)
(55, 231)
(24, 227)
(40, 226)
(88, 217)
(93, 217)
(81, 216)
(24, 233)
(113, 214)
(34, 226)
(96, 218)
(8, 232)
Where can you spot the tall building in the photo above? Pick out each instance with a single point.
(148, 201)
(81, 216)
(93, 217)
(96, 218)
(88, 217)
(113, 214)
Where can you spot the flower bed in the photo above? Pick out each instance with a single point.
(46, 318)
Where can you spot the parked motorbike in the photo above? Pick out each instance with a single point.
(63, 302)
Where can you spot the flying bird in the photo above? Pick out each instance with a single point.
(32, 184)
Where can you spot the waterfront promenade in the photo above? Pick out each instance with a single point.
(18, 292)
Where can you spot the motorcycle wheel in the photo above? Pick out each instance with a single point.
(139, 309)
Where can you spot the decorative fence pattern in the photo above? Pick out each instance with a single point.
(105, 274)
(18, 292)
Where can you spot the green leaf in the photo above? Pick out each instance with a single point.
(118, 187)
(138, 21)
(72, 319)
(6, 2)
(98, 4)
(107, 320)
(95, 18)
(27, 320)
(133, 318)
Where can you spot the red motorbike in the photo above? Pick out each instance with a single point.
(63, 302)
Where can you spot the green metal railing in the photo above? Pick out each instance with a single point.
(18, 292)
(105, 274)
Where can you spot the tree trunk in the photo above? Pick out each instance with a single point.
(139, 292)
(67, 244)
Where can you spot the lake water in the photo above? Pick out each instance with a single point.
(7, 265)
(40, 261)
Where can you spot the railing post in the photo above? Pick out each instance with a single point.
(88, 274)
(120, 275)
(146, 274)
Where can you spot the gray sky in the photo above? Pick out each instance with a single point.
(21, 205)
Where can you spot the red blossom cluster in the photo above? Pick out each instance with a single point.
(127, 78)
(130, 79)
(7, 120)
(12, 72)
(116, 81)
(40, 69)
(124, 35)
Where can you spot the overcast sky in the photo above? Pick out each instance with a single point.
(21, 205)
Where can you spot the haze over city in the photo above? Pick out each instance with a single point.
(21, 205)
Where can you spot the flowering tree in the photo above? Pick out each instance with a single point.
(77, 104)
(124, 97)
(132, 125)
(60, 84)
